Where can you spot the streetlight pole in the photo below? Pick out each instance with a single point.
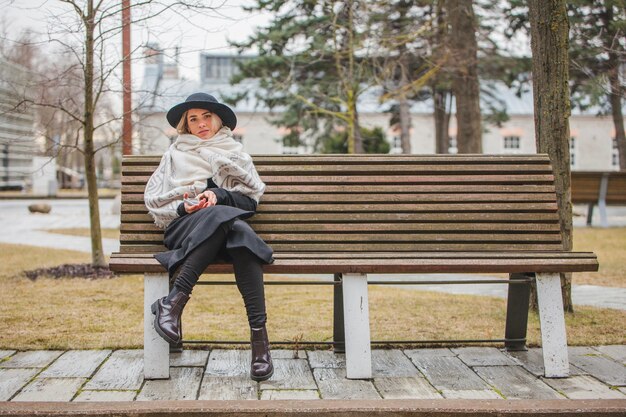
(127, 126)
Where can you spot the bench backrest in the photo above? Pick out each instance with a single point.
(381, 203)
(586, 186)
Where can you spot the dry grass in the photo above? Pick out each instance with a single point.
(610, 246)
(83, 232)
(81, 314)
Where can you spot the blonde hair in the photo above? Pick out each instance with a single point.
(183, 127)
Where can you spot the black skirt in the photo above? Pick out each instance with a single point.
(185, 233)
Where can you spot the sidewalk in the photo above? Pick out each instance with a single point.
(461, 373)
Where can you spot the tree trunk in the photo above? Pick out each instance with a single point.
(97, 252)
(405, 125)
(465, 85)
(616, 90)
(550, 72)
(442, 121)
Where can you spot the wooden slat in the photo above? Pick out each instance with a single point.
(390, 208)
(373, 169)
(390, 189)
(484, 217)
(351, 238)
(375, 247)
(389, 179)
(476, 263)
(380, 197)
(377, 227)
(260, 159)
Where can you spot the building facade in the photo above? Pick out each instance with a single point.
(17, 144)
(592, 142)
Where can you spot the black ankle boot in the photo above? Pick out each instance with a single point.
(261, 367)
(167, 317)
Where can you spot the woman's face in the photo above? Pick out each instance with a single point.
(202, 123)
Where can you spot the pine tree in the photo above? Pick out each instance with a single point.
(313, 63)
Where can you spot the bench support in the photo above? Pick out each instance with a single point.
(517, 313)
(357, 326)
(156, 351)
(338, 326)
(552, 320)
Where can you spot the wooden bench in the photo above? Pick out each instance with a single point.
(599, 188)
(353, 215)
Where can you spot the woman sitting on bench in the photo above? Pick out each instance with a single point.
(202, 190)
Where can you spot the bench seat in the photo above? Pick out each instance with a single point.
(391, 263)
(353, 215)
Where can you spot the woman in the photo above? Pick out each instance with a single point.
(202, 190)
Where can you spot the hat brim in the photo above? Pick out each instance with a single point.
(223, 111)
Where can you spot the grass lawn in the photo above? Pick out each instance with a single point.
(610, 246)
(107, 313)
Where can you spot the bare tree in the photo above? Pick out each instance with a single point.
(85, 36)
(550, 70)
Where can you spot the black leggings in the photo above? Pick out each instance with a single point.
(248, 273)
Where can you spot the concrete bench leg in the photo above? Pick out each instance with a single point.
(156, 351)
(552, 318)
(357, 326)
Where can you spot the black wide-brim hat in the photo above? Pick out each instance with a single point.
(202, 101)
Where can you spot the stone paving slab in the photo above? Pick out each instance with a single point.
(392, 363)
(182, 385)
(6, 353)
(333, 385)
(105, 396)
(189, 358)
(515, 383)
(326, 359)
(490, 356)
(122, 371)
(31, 359)
(289, 354)
(615, 352)
(76, 363)
(228, 388)
(428, 374)
(290, 374)
(583, 387)
(51, 389)
(532, 361)
(12, 380)
(397, 388)
(449, 373)
(602, 368)
(288, 394)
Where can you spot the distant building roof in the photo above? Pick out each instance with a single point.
(160, 92)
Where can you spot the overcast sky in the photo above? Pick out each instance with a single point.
(193, 33)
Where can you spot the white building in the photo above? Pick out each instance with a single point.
(16, 129)
(592, 148)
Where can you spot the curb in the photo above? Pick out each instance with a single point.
(335, 408)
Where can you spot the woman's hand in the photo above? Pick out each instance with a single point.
(204, 200)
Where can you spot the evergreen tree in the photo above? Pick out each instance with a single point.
(313, 63)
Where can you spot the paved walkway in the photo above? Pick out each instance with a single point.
(462, 373)
(18, 225)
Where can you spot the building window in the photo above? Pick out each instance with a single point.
(238, 137)
(614, 154)
(290, 150)
(572, 152)
(452, 148)
(396, 144)
(512, 143)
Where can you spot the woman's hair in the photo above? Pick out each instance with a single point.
(183, 128)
